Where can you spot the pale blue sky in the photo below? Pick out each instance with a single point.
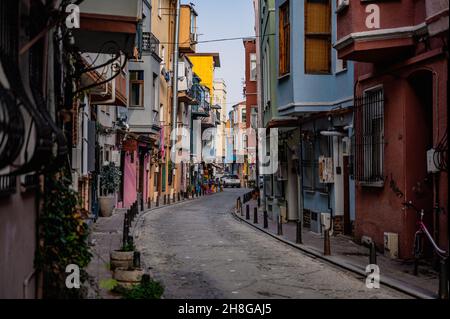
(219, 19)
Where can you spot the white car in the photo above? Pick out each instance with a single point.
(231, 181)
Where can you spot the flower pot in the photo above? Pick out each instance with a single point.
(128, 277)
(121, 259)
(107, 204)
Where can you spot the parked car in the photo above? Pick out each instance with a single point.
(231, 181)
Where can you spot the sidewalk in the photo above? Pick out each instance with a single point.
(347, 254)
(106, 236)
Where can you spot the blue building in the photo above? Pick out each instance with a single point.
(314, 92)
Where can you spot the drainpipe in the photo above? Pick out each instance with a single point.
(174, 133)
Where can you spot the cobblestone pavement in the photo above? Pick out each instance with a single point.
(199, 250)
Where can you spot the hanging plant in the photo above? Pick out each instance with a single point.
(63, 236)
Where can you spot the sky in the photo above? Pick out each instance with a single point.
(218, 19)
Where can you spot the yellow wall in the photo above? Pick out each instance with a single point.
(204, 68)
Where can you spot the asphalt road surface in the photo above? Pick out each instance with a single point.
(198, 250)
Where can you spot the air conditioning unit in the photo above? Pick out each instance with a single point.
(391, 245)
(325, 221)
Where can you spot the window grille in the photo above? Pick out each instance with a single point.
(369, 138)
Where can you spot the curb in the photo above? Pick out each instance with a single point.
(384, 280)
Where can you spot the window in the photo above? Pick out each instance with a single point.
(136, 89)
(244, 115)
(369, 137)
(317, 36)
(341, 65)
(284, 30)
(253, 67)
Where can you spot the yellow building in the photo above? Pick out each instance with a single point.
(204, 66)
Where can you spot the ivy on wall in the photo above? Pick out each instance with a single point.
(63, 236)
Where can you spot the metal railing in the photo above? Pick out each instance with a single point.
(369, 138)
(8, 185)
(150, 43)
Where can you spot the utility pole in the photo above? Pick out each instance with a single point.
(174, 134)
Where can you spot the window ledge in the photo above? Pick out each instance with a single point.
(284, 76)
(340, 71)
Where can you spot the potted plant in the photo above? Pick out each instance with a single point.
(123, 258)
(109, 184)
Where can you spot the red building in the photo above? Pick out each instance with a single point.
(251, 109)
(250, 89)
(400, 115)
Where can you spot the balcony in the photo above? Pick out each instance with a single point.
(150, 44)
(210, 121)
(218, 121)
(111, 93)
(108, 21)
(360, 38)
(188, 26)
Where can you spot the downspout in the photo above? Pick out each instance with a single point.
(174, 133)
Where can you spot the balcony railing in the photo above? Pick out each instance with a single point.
(7, 185)
(150, 43)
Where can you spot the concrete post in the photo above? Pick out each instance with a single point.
(255, 215)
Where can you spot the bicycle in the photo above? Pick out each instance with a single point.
(418, 238)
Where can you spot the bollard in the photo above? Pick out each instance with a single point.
(326, 243)
(255, 215)
(179, 197)
(280, 226)
(372, 254)
(149, 203)
(157, 201)
(165, 199)
(125, 230)
(299, 232)
(443, 279)
(259, 201)
(247, 212)
(174, 198)
(266, 222)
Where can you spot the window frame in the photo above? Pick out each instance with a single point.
(253, 67)
(142, 88)
(318, 36)
(284, 40)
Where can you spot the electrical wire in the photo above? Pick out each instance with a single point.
(224, 39)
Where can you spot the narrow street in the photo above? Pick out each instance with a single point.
(199, 250)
